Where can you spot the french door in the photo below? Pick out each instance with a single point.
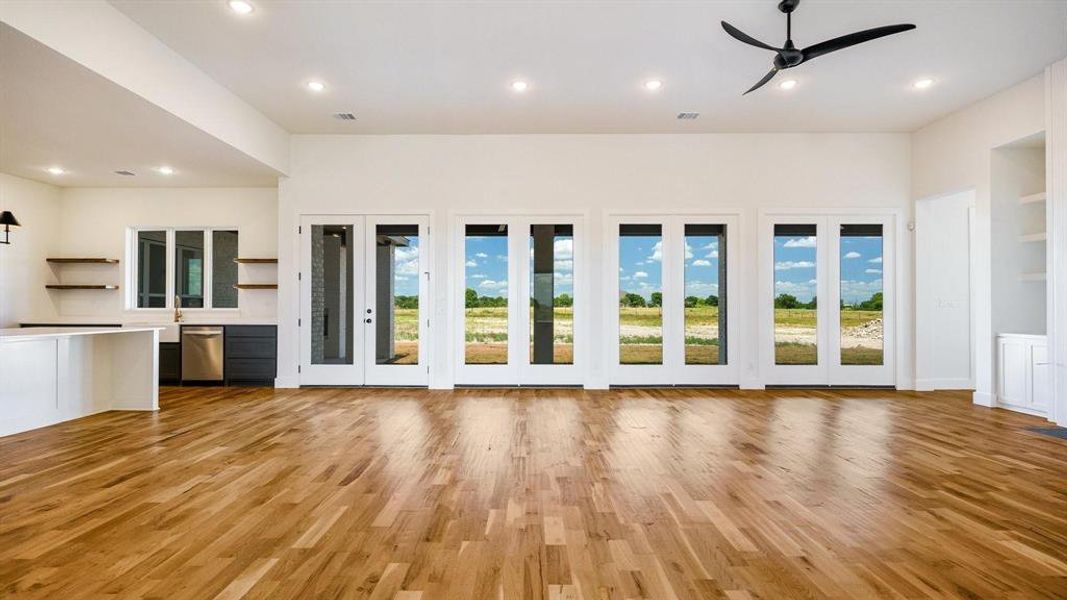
(364, 290)
(520, 292)
(667, 305)
(826, 299)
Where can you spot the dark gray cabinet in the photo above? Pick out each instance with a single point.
(170, 362)
(251, 354)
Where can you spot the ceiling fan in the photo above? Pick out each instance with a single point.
(789, 56)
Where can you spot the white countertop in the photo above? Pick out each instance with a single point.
(35, 333)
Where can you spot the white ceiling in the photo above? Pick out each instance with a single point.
(444, 67)
(53, 111)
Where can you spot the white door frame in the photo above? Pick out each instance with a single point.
(518, 370)
(673, 370)
(829, 370)
(388, 374)
(345, 374)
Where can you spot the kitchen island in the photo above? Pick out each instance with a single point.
(49, 375)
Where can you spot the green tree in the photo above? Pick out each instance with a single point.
(786, 301)
(813, 304)
(407, 301)
(632, 300)
(712, 300)
(563, 300)
(656, 299)
(692, 302)
(875, 302)
(471, 298)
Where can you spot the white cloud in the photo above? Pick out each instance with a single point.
(853, 254)
(701, 289)
(478, 276)
(787, 265)
(700, 262)
(640, 275)
(410, 267)
(713, 254)
(657, 252)
(563, 249)
(688, 251)
(804, 242)
(564, 264)
(491, 285)
(563, 278)
(803, 291)
(876, 261)
(502, 257)
(873, 271)
(471, 263)
(858, 291)
(482, 255)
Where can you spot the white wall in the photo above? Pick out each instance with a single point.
(594, 175)
(93, 222)
(954, 154)
(1056, 186)
(23, 270)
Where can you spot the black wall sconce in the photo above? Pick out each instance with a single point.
(8, 220)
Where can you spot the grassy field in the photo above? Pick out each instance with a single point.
(641, 336)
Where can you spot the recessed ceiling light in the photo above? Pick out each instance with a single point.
(241, 7)
(519, 85)
(56, 170)
(788, 84)
(653, 85)
(922, 84)
(316, 86)
(165, 170)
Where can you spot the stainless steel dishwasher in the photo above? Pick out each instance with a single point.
(202, 353)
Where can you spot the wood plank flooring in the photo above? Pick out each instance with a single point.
(557, 494)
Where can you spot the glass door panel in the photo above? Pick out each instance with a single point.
(331, 326)
(705, 294)
(861, 289)
(189, 268)
(486, 294)
(551, 294)
(640, 305)
(795, 294)
(395, 317)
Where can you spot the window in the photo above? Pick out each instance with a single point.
(195, 267)
(396, 297)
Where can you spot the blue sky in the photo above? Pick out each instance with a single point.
(641, 269)
(487, 265)
(406, 269)
(861, 267)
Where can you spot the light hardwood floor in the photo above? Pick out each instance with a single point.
(559, 494)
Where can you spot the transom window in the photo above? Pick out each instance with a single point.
(187, 267)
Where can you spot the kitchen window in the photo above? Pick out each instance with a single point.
(191, 266)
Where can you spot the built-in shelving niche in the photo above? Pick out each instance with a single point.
(257, 262)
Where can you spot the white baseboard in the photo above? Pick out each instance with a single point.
(286, 382)
(929, 385)
(984, 399)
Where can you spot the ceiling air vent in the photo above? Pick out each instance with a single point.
(124, 173)
(344, 116)
(687, 116)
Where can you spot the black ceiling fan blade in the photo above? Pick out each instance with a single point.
(763, 81)
(852, 39)
(741, 36)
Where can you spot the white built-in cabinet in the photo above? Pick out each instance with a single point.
(1023, 373)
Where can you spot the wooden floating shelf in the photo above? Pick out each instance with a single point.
(84, 261)
(1034, 237)
(256, 261)
(57, 286)
(1032, 198)
(1032, 277)
(256, 286)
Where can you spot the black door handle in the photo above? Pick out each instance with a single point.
(368, 320)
